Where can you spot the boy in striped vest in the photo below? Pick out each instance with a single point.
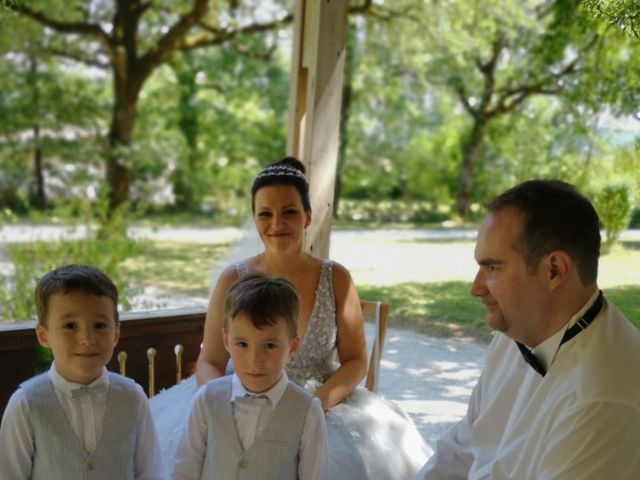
(78, 421)
(255, 423)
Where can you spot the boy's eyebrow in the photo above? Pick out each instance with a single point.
(235, 336)
(72, 315)
(243, 338)
(489, 261)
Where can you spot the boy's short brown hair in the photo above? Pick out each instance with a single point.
(73, 278)
(263, 300)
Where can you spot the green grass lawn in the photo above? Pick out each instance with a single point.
(446, 309)
(439, 309)
(175, 266)
(626, 299)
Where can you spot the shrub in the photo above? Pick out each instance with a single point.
(635, 218)
(614, 203)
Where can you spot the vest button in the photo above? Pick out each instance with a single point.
(243, 464)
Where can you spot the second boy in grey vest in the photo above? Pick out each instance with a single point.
(255, 424)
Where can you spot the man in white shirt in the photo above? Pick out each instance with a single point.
(571, 410)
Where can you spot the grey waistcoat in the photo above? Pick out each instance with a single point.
(60, 455)
(273, 455)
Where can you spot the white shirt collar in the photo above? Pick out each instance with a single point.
(274, 393)
(66, 387)
(546, 352)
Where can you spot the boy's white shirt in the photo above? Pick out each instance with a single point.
(250, 420)
(86, 418)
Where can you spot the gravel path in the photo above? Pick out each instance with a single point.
(430, 378)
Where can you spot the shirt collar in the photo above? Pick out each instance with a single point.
(546, 351)
(274, 394)
(66, 387)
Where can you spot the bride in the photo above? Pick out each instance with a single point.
(369, 437)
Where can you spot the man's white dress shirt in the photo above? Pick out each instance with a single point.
(580, 421)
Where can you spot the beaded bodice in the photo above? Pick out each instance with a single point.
(314, 361)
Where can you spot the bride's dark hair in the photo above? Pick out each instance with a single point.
(288, 171)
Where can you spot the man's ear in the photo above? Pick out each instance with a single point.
(558, 265)
(42, 335)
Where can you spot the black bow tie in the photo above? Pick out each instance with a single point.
(580, 325)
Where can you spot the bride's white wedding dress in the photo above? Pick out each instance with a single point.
(369, 437)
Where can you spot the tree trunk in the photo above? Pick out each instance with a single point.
(470, 155)
(125, 110)
(344, 140)
(345, 109)
(39, 198)
(185, 189)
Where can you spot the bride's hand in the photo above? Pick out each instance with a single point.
(323, 397)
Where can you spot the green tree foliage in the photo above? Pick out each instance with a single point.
(624, 14)
(130, 40)
(207, 137)
(614, 203)
(51, 114)
(501, 54)
(536, 81)
(471, 97)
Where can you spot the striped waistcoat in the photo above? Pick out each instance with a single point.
(273, 455)
(60, 455)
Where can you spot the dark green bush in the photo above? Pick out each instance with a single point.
(614, 203)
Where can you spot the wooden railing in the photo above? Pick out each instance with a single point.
(149, 341)
(161, 330)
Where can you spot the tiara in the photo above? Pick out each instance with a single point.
(280, 171)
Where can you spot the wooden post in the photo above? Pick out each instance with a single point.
(317, 71)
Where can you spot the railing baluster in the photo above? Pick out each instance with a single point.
(122, 363)
(178, 349)
(151, 356)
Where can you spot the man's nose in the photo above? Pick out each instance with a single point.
(478, 287)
